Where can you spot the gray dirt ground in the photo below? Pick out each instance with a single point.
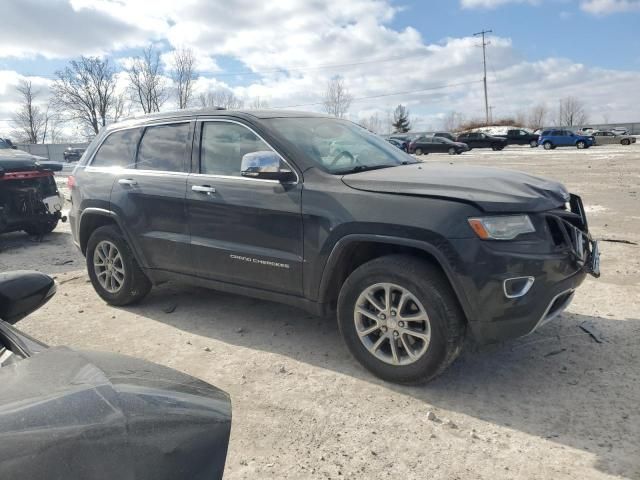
(555, 404)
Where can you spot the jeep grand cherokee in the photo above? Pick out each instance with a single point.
(319, 213)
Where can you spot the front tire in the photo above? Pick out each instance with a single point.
(418, 151)
(547, 145)
(626, 141)
(113, 269)
(452, 151)
(400, 319)
(42, 228)
(581, 145)
(533, 143)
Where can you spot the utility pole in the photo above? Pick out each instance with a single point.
(484, 63)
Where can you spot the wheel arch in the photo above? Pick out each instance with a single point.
(93, 218)
(354, 250)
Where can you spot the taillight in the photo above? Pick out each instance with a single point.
(71, 181)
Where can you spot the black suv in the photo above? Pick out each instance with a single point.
(319, 213)
(482, 140)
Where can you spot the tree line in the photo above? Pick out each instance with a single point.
(85, 94)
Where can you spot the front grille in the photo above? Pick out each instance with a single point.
(568, 229)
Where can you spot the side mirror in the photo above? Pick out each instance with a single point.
(23, 292)
(266, 165)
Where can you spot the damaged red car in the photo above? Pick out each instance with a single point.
(29, 197)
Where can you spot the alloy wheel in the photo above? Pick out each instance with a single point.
(109, 267)
(392, 324)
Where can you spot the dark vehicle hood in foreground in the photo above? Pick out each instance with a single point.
(19, 161)
(491, 189)
(80, 415)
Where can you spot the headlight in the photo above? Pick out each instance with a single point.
(504, 227)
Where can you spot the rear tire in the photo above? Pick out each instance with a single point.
(547, 145)
(452, 151)
(131, 282)
(626, 141)
(418, 151)
(427, 295)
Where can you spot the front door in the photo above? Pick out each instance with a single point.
(243, 231)
(150, 197)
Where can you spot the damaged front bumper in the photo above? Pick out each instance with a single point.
(514, 288)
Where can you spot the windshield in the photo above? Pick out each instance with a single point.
(339, 146)
(3, 144)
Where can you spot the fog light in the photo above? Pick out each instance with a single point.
(517, 287)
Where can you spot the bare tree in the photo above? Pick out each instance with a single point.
(146, 81)
(121, 107)
(537, 117)
(373, 123)
(222, 97)
(571, 112)
(257, 103)
(30, 120)
(452, 121)
(184, 75)
(337, 99)
(85, 92)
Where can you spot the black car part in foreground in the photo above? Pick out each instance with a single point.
(78, 415)
(319, 213)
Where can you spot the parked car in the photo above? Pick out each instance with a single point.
(76, 415)
(604, 138)
(586, 131)
(426, 145)
(482, 140)
(412, 257)
(551, 139)
(402, 145)
(520, 136)
(29, 196)
(5, 143)
(448, 135)
(72, 154)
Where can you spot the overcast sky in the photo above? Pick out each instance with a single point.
(284, 51)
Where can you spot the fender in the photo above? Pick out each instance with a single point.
(429, 248)
(137, 253)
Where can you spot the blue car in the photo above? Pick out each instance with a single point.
(551, 139)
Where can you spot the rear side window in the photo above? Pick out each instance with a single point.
(223, 146)
(118, 150)
(163, 148)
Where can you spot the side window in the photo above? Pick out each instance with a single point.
(224, 144)
(118, 150)
(163, 148)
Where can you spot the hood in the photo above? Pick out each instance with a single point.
(490, 189)
(101, 415)
(17, 160)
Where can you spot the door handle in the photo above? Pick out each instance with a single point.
(203, 189)
(128, 181)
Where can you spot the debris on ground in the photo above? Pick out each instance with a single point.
(171, 308)
(592, 331)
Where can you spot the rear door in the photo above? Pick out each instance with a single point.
(149, 196)
(244, 231)
(439, 145)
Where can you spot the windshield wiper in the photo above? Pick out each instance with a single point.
(365, 168)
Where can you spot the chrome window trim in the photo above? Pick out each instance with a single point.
(132, 127)
(231, 177)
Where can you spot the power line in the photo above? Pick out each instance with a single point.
(484, 63)
(292, 69)
(408, 92)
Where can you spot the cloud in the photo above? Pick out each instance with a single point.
(605, 7)
(490, 4)
(292, 48)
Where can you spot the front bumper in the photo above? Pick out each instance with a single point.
(547, 273)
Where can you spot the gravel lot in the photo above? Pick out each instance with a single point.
(555, 404)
